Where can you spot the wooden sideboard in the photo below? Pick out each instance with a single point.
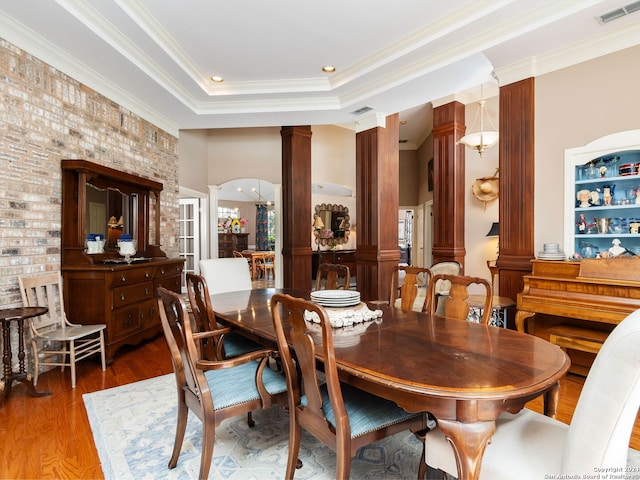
(344, 257)
(228, 242)
(122, 296)
(101, 287)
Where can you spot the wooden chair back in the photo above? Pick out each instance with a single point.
(456, 304)
(45, 291)
(406, 289)
(237, 254)
(325, 411)
(333, 276)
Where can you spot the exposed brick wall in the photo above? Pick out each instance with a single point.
(46, 116)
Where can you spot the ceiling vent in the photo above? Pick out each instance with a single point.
(403, 140)
(619, 12)
(362, 110)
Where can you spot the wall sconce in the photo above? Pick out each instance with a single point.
(480, 140)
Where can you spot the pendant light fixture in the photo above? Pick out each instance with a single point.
(482, 139)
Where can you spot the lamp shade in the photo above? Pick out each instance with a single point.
(318, 223)
(495, 230)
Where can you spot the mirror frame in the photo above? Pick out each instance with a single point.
(333, 208)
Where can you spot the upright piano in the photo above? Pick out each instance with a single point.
(593, 294)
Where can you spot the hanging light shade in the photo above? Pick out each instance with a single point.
(482, 139)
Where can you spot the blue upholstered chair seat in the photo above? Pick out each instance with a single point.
(236, 345)
(233, 386)
(366, 412)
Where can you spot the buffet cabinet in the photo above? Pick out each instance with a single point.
(100, 286)
(121, 296)
(344, 257)
(228, 242)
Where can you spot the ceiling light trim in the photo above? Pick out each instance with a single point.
(37, 46)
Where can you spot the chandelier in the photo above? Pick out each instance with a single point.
(482, 139)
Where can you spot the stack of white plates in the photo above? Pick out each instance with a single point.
(336, 298)
(551, 252)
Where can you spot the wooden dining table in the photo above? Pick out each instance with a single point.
(254, 256)
(465, 374)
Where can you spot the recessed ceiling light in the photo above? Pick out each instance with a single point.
(328, 69)
(217, 79)
(403, 122)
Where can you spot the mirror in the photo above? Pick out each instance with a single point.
(331, 224)
(109, 213)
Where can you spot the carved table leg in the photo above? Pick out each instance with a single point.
(521, 316)
(468, 441)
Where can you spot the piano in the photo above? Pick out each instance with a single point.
(592, 294)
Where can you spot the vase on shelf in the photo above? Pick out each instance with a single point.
(236, 229)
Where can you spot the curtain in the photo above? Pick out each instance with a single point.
(262, 228)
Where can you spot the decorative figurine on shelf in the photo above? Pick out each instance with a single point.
(607, 194)
(582, 224)
(583, 197)
(595, 197)
(638, 196)
(617, 249)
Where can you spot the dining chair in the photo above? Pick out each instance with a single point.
(228, 343)
(339, 415)
(266, 266)
(212, 389)
(529, 445)
(450, 267)
(225, 274)
(333, 276)
(54, 340)
(407, 283)
(456, 304)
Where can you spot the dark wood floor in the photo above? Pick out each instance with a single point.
(50, 437)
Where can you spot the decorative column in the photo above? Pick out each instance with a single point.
(377, 191)
(517, 115)
(296, 207)
(449, 185)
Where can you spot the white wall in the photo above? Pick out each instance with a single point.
(573, 107)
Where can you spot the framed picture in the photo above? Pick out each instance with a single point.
(430, 175)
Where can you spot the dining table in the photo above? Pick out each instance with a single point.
(464, 374)
(255, 256)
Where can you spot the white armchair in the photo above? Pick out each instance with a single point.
(226, 274)
(529, 445)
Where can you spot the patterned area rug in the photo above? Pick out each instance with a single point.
(134, 428)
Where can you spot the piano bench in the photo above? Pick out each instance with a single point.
(577, 338)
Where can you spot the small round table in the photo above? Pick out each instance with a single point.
(19, 315)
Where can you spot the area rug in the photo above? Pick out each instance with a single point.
(134, 427)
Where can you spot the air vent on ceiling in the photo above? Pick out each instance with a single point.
(619, 12)
(403, 140)
(362, 110)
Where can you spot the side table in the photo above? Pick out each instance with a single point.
(498, 307)
(18, 315)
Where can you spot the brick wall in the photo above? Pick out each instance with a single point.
(46, 116)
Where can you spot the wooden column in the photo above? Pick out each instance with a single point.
(377, 190)
(296, 207)
(449, 185)
(516, 185)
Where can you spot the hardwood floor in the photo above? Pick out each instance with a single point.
(49, 437)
